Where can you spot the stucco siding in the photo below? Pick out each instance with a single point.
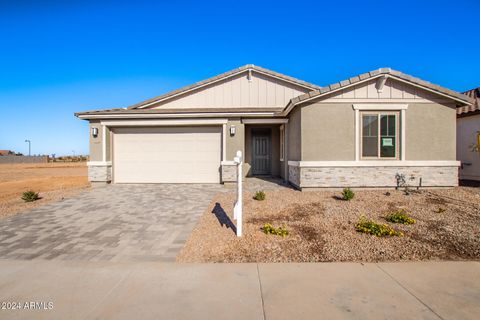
(294, 136)
(430, 131)
(327, 132)
(237, 141)
(467, 128)
(96, 148)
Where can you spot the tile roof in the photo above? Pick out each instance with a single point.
(475, 95)
(375, 74)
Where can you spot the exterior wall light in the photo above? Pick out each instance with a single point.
(232, 130)
(94, 132)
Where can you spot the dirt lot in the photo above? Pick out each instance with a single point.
(322, 228)
(53, 181)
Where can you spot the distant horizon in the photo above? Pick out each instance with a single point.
(64, 57)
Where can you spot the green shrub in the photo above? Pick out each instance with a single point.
(400, 217)
(380, 230)
(259, 195)
(30, 196)
(348, 194)
(280, 231)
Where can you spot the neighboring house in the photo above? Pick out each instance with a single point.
(6, 153)
(360, 132)
(468, 136)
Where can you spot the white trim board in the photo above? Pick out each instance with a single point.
(144, 123)
(264, 121)
(176, 115)
(380, 107)
(375, 163)
(99, 163)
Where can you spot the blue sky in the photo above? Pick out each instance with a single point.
(59, 57)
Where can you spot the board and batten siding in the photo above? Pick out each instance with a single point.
(391, 90)
(238, 91)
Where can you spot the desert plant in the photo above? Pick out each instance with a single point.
(371, 227)
(280, 231)
(259, 195)
(441, 210)
(347, 194)
(400, 216)
(30, 196)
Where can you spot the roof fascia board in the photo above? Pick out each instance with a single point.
(175, 115)
(166, 122)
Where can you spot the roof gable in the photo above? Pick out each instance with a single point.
(248, 86)
(399, 85)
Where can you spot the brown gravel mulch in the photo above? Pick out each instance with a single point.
(322, 227)
(53, 182)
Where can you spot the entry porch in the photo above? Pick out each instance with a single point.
(263, 144)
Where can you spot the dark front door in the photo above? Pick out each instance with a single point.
(261, 158)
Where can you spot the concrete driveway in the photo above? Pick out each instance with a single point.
(114, 223)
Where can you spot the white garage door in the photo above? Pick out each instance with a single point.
(167, 155)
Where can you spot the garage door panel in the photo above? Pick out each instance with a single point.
(167, 155)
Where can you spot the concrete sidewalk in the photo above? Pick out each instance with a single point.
(147, 290)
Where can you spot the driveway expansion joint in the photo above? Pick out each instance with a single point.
(409, 292)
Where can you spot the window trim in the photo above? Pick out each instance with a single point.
(379, 135)
(402, 108)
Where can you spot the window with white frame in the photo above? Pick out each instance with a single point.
(282, 142)
(380, 135)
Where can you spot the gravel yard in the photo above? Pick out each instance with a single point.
(54, 181)
(322, 227)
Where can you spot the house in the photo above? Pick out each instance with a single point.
(371, 130)
(6, 153)
(468, 137)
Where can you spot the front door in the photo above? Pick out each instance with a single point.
(261, 158)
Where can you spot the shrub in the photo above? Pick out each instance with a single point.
(348, 194)
(441, 210)
(30, 196)
(280, 231)
(400, 217)
(380, 230)
(259, 195)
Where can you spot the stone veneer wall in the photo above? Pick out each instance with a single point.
(294, 175)
(100, 173)
(331, 177)
(229, 173)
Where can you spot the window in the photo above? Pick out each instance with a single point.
(282, 142)
(379, 135)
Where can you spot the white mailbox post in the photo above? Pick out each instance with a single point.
(238, 208)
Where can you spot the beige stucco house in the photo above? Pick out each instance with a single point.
(468, 136)
(360, 132)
